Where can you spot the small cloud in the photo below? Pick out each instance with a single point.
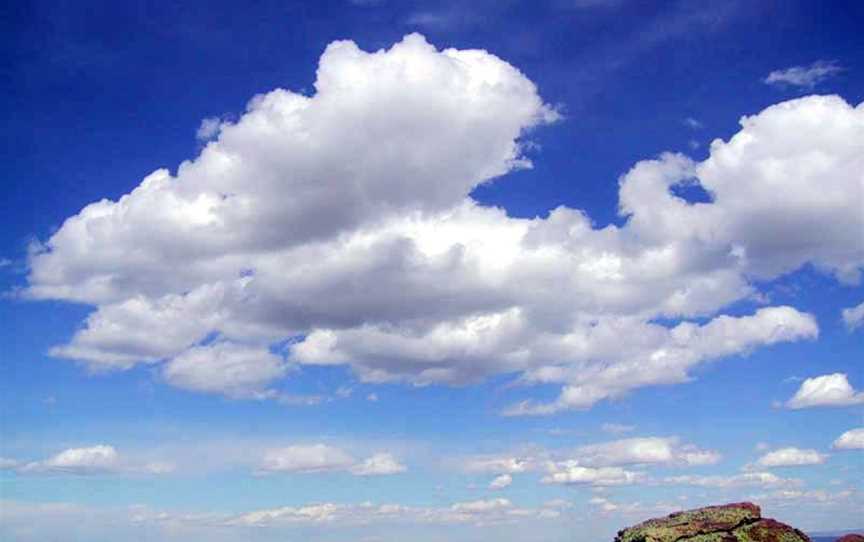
(853, 317)
(693, 144)
(501, 482)
(692, 123)
(208, 129)
(380, 464)
(804, 76)
(372, 397)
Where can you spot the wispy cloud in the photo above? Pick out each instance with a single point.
(804, 76)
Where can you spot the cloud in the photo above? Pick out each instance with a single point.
(302, 458)
(93, 460)
(50, 521)
(850, 440)
(208, 129)
(499, 465)
(599, 464)
(831, 390)
(790, 457)
(804, 76)
(571, 473)
(646, 450)
(480, 512)
(285, 226)
(608, 506)
(234, 370)
(500, 482)
(692, 123)
(380, 464)
(317, 458)
(853, 317)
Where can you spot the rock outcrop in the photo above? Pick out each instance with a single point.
(737, 522)
(851, 538)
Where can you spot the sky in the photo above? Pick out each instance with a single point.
(373, 270)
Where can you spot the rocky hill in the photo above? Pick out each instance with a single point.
(727, 523)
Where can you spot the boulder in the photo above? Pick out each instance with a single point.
(727, 523)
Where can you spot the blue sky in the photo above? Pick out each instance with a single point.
(503, 270)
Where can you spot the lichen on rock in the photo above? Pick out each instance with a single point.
(736, 522)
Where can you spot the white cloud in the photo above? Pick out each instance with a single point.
(804, 76)
(500, 482)
(832, 390)
(231, 369)
(646, 450)
(289, 221)
(608, 506)
(789, 457)
(850, 440)
(209, 128)
(572, 473)
(480, 512)
(853, 317)
(98, 459)
(499, 465)
(324, 458)
(380, 464)
(305, 458)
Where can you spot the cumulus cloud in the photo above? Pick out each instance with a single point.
(230, 369)
(98, 459)
(315, 458)
(853, 317)
(790, 457)
(291, 219)
(831, 390)
(850, 440)
(804, 76)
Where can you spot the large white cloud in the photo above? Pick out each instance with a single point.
(831, 390)
(343, 221)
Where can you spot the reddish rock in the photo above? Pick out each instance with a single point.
(736, 522)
